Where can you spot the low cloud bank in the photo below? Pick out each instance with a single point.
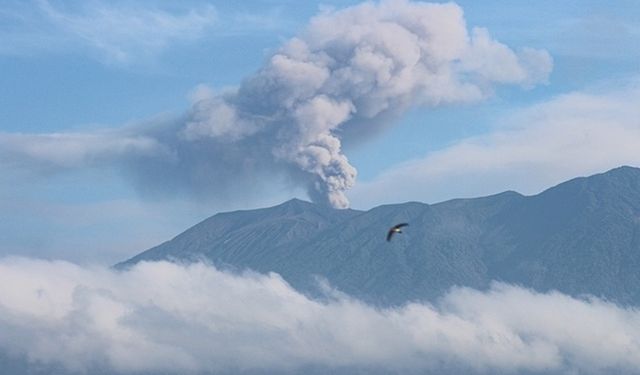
(195, 318)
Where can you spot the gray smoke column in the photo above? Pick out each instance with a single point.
(351, 67)
(348, 75)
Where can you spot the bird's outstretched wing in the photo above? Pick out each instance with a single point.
(395, 229)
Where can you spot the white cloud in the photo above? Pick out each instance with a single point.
(163, 316)
(496, 62)
(534, 148)
(128, 32)
(125, 33)
(72, 150)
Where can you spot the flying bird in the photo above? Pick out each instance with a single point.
(395, 229)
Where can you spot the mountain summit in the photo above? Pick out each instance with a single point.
(579, 237)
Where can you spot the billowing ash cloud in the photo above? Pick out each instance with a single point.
(349, 74)
(164, 317)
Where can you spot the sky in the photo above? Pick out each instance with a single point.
(124, 123)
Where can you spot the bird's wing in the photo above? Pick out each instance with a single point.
(389, 234)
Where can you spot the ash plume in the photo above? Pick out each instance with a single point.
(353, 67)
(349, 74)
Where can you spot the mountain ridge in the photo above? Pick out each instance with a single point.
(581, 236)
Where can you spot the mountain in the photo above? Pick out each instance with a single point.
(579, 237)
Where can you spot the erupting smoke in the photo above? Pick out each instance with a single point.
(349, 72)
(361, 62)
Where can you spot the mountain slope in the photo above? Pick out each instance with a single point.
(257, 239)
(582, 236)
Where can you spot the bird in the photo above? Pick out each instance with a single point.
(395, 229)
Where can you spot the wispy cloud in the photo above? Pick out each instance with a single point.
(613, 33)
(72, 150)
(125, 33)
(184, 319)
(575, 134)
(120, 33)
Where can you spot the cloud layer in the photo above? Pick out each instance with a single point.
(574, 134)
(349, 74)
(116, 33)
(185, 319)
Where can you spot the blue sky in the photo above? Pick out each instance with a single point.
(85, 86)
